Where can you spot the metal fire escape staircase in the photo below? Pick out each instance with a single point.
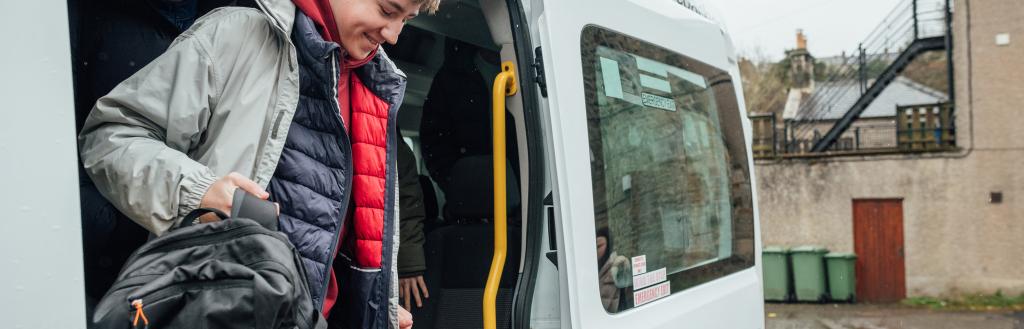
(911, 29)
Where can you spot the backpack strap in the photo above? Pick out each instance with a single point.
(245, 205)
(193, 217)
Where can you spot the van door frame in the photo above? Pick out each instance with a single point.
(532, 244)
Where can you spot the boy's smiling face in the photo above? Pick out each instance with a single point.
(365, 24)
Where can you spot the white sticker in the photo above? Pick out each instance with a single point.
(659, 102)
(1002, 39)
(639, 264)
(612, 79)
(655, 83)
(651, 66)
(651, 294)
(649, 278)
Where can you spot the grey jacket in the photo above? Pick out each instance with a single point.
(221, 99)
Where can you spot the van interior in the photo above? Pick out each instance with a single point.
(451, 60)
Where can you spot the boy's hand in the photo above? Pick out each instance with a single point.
(221, 194)
(404, 319)
(412, 286)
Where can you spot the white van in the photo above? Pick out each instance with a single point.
(632, 181)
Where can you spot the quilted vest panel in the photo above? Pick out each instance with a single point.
(369, 131)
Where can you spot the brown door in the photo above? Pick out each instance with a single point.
(878, 242)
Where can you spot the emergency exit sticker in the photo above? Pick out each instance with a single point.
(658, 102)
(639, 264)
(649, 278)
(651, 294)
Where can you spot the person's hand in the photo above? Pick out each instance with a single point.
(404, 319)
(221, 193)
(621, 271)
(412, 286)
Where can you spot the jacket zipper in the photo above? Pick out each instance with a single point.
(277, 124)
(343, 142)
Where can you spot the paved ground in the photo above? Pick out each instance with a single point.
(860, 316)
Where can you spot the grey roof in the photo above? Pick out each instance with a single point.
(843, 94)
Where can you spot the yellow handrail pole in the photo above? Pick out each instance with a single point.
(504, 86)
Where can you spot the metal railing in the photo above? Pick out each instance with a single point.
(913, 128)
(925, 127)
(909, 21)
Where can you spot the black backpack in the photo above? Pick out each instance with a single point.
(234, 273)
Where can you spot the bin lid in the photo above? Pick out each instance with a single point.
(809, 249)
(774, 250)
(844, 255)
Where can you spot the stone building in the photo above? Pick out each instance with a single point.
(925, 223)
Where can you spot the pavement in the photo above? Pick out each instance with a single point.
(890, 316)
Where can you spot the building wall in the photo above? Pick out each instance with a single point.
(956, 241)
(994, 73)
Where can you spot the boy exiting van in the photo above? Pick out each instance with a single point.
(294, 102)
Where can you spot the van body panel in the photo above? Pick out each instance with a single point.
(42, 239)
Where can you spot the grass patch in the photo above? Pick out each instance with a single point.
(995, 302)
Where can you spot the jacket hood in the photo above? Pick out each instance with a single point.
(281, 12)
(323, 16)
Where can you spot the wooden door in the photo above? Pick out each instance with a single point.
(878, 242)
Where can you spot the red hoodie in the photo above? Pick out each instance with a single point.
(321, 14)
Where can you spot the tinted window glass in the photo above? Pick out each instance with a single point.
(669, 169)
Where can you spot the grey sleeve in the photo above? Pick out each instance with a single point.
(135, 142)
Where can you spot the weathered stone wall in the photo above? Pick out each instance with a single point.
(955, 240)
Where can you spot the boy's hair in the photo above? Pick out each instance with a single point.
(429, 6)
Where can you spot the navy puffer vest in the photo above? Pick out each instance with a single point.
(312, 181)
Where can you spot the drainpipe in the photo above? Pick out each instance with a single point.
(949, 52)
(862, 74)
(916, 32)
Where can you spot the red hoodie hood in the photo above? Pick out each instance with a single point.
(321, 14)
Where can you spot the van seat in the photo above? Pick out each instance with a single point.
(458, 255)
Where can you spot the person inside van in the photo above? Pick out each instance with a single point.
(114, 39)
(456, 122)
(293, 102)
(411, 260)
(611, 267)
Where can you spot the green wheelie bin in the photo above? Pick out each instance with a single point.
(809, 273)
(775, 273)
(842, 281)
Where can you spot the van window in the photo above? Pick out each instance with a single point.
(672, 198)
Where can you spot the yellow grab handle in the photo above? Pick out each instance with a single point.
(504, 85)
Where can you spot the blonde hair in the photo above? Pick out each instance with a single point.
(429, 6)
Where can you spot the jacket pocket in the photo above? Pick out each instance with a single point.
(359, 304)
